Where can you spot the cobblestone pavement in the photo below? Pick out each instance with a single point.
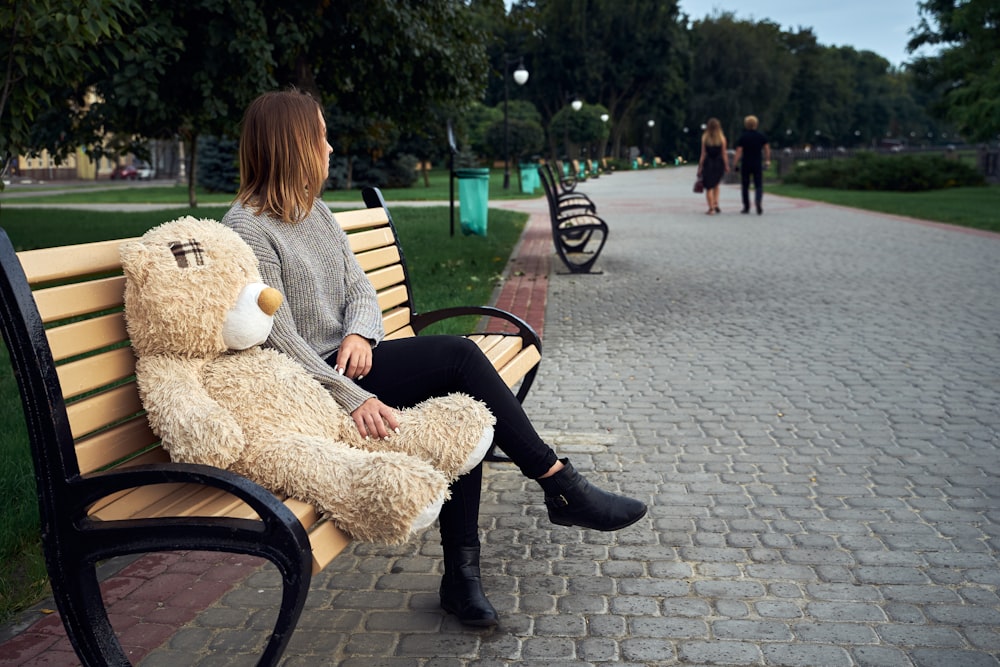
(809, 401)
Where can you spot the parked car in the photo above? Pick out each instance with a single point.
(145, 171)
(124, 172)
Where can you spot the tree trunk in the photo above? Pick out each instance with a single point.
(192, 167)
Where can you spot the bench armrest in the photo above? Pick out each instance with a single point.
(98, 485)
(421, 321)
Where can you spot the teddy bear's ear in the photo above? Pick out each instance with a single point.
(135, 261)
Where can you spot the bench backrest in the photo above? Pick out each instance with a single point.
(63, 321)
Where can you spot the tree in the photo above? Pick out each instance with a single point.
(403, 60)
(739, 68)
(628, 56)
(965, 75)
(577, 128)
(47, 47)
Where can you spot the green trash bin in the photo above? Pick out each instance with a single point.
(473, 199)
(529, 178)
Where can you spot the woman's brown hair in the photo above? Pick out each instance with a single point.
(282, 162)
(713, 135)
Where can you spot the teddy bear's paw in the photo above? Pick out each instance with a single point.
(477, 454)
(429, 515)
(451, 432)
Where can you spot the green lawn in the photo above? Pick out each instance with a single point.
(437, 189)
(966, 207)
(445, 271)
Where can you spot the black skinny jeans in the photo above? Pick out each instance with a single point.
(410, 370)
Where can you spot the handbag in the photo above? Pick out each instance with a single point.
(699, 185)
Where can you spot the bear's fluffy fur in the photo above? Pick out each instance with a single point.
(258, 413)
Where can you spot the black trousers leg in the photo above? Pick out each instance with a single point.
(410, 370)
(745, 187)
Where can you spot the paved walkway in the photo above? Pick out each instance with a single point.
(809, 400)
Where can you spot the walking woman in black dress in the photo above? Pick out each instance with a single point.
(713, 163)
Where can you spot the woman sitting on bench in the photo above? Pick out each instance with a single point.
(332, 325)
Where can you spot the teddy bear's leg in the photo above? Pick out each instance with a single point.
(479, 452)
(452, 433)
(373, 496)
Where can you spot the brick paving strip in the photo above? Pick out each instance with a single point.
(155, 594)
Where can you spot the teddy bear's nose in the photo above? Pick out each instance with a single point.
(269, 300)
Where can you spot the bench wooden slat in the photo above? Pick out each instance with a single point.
(87, 336)
(371, 239)
(376, 259)
(360, 218)
(327, 541)
(500, 349)
(110, 446)
(66, 301)
(397, 323)
(387, 277)
(95, 412)
(66, 262)
(392, 297)
(91, 373)
(518, 367)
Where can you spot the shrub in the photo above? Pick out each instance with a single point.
(869, 171)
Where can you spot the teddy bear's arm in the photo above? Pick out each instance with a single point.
(194, 427)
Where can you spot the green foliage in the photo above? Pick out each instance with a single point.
(629, 57)
(47, 47)
(524, 138)
(964, 77)
(902, 173)
(724, 51)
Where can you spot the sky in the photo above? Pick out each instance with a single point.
(882, 26)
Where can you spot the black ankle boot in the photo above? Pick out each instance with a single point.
(573, 501)
(462, 589)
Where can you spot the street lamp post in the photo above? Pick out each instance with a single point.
(520, 78)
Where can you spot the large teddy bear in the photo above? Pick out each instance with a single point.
(197, 314)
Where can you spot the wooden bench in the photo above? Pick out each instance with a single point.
(105, 486)
(578, 233)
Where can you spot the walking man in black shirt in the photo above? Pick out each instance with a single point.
(755, 152)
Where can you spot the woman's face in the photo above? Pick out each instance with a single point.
(326, 150)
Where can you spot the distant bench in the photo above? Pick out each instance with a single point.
(578, 233)
(105, 486)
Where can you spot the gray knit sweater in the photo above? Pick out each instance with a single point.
(327, 295)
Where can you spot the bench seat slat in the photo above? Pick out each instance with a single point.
(519, 366)
(95, 412)
(86, 336)
(103, 449)
(397, 323)
(387, 277)
(66, 262)
(360, 218)
(500, 349)
(371, 239)
(378, 258)
(392, 297)
(66, 301)
(92, 373)
(327, 541)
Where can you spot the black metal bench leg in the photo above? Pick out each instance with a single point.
(81, 605)
(294, 591)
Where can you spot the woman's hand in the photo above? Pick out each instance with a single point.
(375, 419)
(354, 358)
